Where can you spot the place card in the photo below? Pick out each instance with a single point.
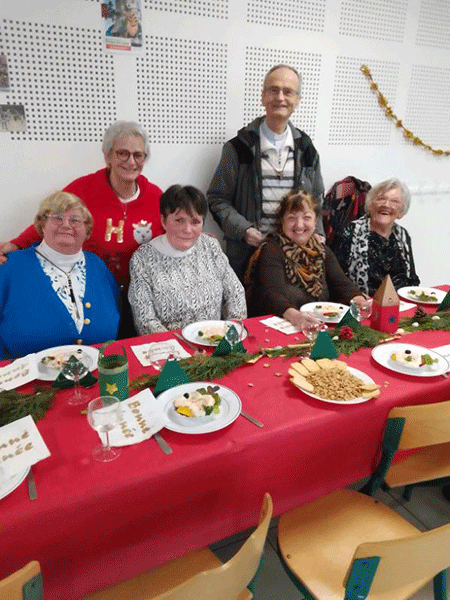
(142, 418)
(21, 445)
(280, 325)
(21, 371)
(155, 353)
(405, 305)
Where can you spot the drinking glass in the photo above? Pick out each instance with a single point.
(103, 415)
(361, 311)
(75, 368)
(236, 334)
(311, 331)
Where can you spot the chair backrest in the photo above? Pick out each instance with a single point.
(425, 424)
(229, 580)
(25, 584)
(403, 563)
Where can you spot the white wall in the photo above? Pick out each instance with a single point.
(198, 81)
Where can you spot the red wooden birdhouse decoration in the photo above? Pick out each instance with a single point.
(385, 307)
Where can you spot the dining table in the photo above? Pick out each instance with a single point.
(94, 524)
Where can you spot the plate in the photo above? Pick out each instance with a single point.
(382, 354)
(404, 293)
(49, 374)
(360, 375)
(230, 408)
(190, 332)
(9, 485)
(312, 307)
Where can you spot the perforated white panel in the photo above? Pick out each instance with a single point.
(202, 8)
(181, 90)
(259, 60)
(434, 24)
(379, 20)
(296, 14)
(62, 78)
(356, 117)
(427, 110)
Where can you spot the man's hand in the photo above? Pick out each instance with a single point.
(5, 248)
(253, 237)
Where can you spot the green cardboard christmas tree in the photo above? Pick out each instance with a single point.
(323, 347)
(171, 375)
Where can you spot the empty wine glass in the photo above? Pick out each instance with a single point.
(361, 311)
(103, 415)
(311, 331)
(74, 368)
(234, 331)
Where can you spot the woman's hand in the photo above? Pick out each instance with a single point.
(6, 248)
(362, 301)
(254, 237)
(298, 318)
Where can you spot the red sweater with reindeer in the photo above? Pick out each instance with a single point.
(119, 228)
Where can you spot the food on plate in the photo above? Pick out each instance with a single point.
(423, 295)
(329, 311)
(310, 365)
(199, 403)
(331, 380)
(299, 368)
(57, 359)
(212, 334)
(413, 360)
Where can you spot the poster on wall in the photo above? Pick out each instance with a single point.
(122, 25)
(12, 118)
(4, 75)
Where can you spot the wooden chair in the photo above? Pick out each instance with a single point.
(199, 575)
(425, 426)
(348, 546)
(25, 584)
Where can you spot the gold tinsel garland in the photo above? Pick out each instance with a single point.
(409, 135)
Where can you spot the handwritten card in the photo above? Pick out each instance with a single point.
(21, 445)
(142, 417)
(155, 353)
(21, 371)
(280, 325)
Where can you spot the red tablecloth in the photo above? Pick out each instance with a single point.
(94, 524)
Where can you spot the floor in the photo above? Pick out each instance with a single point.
(427, 509)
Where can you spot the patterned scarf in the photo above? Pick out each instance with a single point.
(304, 265)
(358, 269)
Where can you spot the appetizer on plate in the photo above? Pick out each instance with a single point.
(58, 359)
(212, 334)
(423, 295)
(199, 403)
(413, 360)
(330, 311)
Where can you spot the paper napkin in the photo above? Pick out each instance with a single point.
(280, 324)
(21, 445)
(157, 351)
(21, 371)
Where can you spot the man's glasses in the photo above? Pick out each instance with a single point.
(58, 219)
(273, 90)
(124, 155)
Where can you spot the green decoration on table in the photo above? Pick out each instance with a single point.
(445, 302)
(229, 343)
(439, 321)
(171, 375)
(348, 319)
(113, 373)
(15, 405)
(323, 347)
(62, 383)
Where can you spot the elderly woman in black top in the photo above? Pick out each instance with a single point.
(375, 245)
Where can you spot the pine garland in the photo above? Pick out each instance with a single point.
(15, 405)
(427, 323)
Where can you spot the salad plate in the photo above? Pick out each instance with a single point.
(360, 375)
(229, 410)
(47, 372)
(384, 353)
(209, 333)
(422, 295)
(329, 312)
(9, 485)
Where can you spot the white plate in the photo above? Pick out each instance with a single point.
(311, 306)
(382, 354)
(360, 375)
(49, 374)
(404, 293)
(8, 485)
(230, 408)
(190, 332)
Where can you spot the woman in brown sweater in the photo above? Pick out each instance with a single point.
(294, 267)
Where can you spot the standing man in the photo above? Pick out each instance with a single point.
(259, 166)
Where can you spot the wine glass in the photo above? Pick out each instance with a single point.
(103, 415)
(361, 311)
(75, 368)
(311, 331)
(234, 331)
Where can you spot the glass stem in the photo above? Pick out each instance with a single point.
(76, 382)
(106, 446)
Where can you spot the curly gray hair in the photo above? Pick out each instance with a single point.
(390, 184)
(59, 202)
(123, 129)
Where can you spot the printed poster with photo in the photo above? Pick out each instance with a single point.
(12, 118)
(4, 74)
(122, 25)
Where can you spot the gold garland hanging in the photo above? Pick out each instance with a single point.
(409, 135)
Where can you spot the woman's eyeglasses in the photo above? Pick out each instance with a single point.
(124, 155)
(58, 219)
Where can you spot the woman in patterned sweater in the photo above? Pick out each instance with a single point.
(182, 276)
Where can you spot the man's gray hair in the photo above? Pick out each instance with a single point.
(283, 66)
(123, 129)
(390, 184)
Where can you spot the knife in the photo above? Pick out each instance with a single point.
(182, 339)
(258, 423)
(162, 443)
(31, 485)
